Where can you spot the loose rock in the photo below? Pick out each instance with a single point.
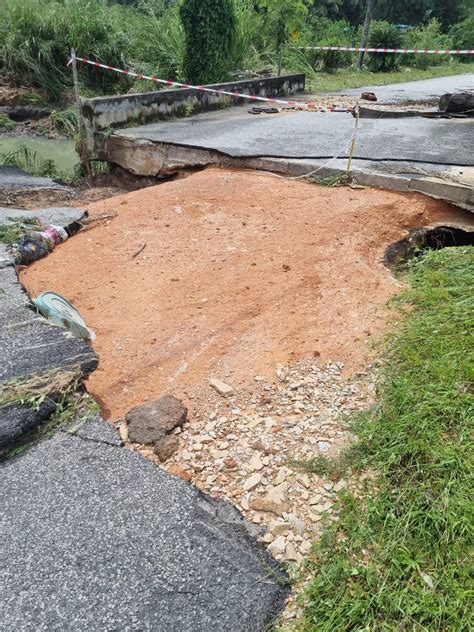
(278, 546)
(166, 447)
(150, 422)
(178, 471)
(222, 388)
(252, 482)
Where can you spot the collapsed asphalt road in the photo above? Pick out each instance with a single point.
(431, 156)
(93, 536)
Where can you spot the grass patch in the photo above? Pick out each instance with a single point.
(35, 389)
(12, 233)
(400, 559)
(66, 121)
(6, 123)
(349, 78)
(334, 468)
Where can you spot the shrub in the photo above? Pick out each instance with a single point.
(462, 36)
(209, 27)
(383, 35)
(157, 45)
(283, 20)
(320, 32)
(35, 39)
(246, 49)
(428, 36)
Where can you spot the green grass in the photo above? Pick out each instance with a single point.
(400, 557)
(66, 121)
(12, 233)
(6, 123)
(349, 78)
(29, 161)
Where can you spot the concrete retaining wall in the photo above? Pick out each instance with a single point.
(122, 110)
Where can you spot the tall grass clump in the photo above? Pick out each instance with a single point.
(36, 37)
(156, 43)
(30, 161)
(383, 35)
(400, 557)
(247, 51)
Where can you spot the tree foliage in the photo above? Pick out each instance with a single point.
(416, 12)
(209, 27)
(284, 18)
(384, 35)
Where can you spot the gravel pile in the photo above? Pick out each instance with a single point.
(244, 446)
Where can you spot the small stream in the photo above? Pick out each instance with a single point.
(60, 150)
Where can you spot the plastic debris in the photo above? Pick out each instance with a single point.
(30, 248)
(37, 244)
(60, 312)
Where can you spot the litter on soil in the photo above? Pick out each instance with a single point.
(61, 313)
(241, 271)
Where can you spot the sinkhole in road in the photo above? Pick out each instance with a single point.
(429, 238)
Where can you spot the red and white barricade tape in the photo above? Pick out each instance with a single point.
(138, 75)
(403, 51)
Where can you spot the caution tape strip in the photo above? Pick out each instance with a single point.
(403, 51)
(138, 75)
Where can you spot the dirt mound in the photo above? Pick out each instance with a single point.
(240, 271)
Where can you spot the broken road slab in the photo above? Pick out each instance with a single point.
(30, 345)
(31, 349)
(58, 216)
(13, 178)
(236, 133)
(235, 138)
(94, 537)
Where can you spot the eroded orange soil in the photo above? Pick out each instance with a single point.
(241, 271)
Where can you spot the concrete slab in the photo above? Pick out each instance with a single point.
(14, 178)
(58, 216)
(96, 538)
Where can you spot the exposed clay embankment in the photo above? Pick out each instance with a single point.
(241, 271)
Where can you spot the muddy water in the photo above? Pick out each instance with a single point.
(58, 149)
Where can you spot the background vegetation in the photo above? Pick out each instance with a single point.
(148, 35)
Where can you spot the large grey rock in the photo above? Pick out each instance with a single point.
(152, 421)
(95, 538)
